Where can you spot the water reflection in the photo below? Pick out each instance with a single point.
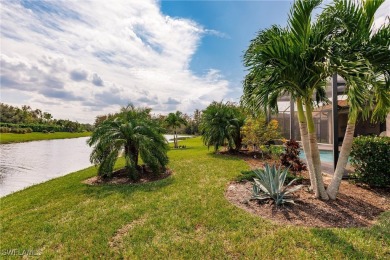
(25, 164)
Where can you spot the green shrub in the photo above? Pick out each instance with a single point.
(4, 129)
(17, 130)
(370, 156)
(250, 175)
(269, 184)
(246, 176)
(38, 127)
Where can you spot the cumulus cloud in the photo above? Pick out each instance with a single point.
(382, 15)
(172, 101)
(96, 80)
(54, 50)
(147, 101)
(59, 94)
(78, 75)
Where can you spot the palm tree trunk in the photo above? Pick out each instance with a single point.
(305, 143)
(131, 155)
(175, 138)
(320, 191)
(346, 147)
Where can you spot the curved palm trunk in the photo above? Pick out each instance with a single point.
(346, 147)
(305, 143)
(320, 191)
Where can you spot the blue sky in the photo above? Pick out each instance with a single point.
(80, 59)
(236, 21)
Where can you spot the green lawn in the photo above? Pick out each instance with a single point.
(6, 138)
(182, 217)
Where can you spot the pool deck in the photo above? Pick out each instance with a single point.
(327, 168)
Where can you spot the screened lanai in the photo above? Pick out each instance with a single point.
(330, 132)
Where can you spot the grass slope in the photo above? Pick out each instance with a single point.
(6, 138)
(184, 216)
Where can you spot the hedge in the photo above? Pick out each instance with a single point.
(370, 156)
(15, 130)
(38, 127)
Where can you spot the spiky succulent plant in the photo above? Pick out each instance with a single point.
(269, 184)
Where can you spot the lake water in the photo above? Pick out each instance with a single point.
(26, 164)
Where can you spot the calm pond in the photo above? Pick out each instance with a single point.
(26, 164)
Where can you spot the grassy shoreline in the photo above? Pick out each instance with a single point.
(6, 138)
(185, 216)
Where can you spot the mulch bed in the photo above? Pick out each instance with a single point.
(122, 177)
(355, 206)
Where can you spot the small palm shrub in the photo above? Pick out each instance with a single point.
(370, 156)
(136, 134)
(290, 157)
(221, 125)
(269, 185)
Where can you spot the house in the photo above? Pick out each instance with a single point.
(330, 133)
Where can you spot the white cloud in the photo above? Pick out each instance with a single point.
(382, 15)
(78, 59)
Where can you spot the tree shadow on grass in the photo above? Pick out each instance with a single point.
(381, 230)
(104, 190)
(181, 148)
(349, 250)
(226, 157)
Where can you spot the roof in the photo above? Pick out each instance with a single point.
(340, 104)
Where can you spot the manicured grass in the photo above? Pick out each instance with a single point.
(6, 138)
(184, 216)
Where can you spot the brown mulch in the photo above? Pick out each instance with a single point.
(121, 177)
(355, 206)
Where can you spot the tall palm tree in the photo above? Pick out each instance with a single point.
(368, 91)
(175, 120)
(132, 131)
(221, 123)
(292, 61)
(297, 60)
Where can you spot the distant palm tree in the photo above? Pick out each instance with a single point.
(221, 123)
(175, 120)
(132, 131)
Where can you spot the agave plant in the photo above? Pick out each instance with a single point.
(269, 184)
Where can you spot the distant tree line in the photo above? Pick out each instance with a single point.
(14, 118)
(189, 124)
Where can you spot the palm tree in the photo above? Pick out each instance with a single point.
(292, 61)
(221, 123)
(175, 120)
(298, 60)
(365, 91)
(132, 131)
